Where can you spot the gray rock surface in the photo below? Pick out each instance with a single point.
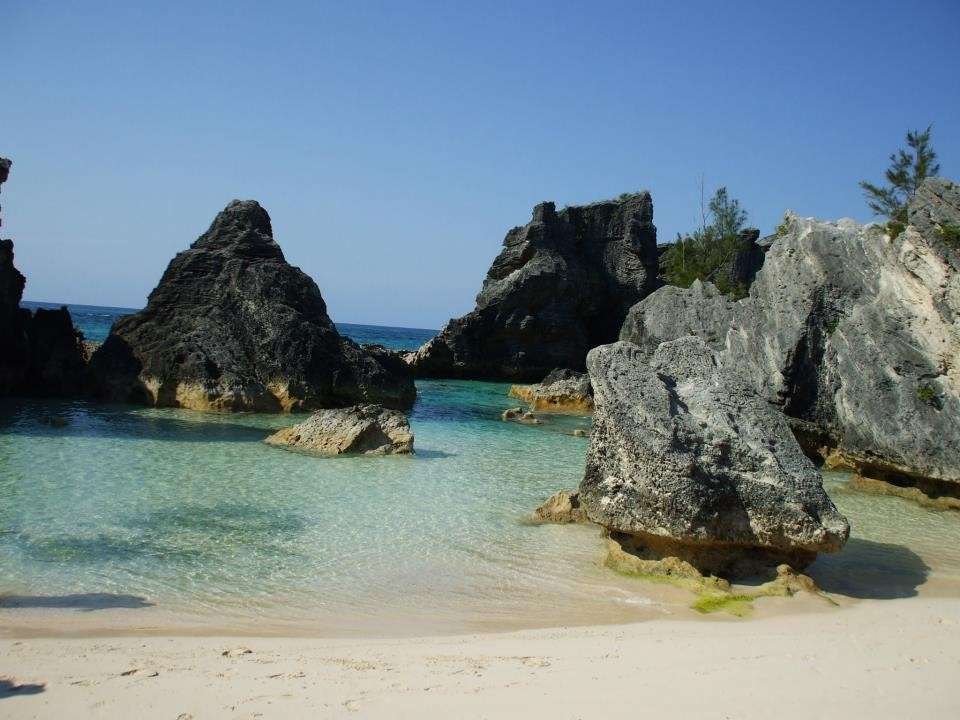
(854, 334)
(561, 285)
(687, 461)
(233, 326)
(360, 429)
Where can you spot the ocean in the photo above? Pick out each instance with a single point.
(133, 519)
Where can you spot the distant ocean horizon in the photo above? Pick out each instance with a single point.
(94, 321)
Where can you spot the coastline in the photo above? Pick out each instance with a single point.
(880, 658)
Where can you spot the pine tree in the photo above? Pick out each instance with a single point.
(908, 168)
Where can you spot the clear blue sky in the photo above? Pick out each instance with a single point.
(394, 144)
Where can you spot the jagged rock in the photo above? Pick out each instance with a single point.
(561, 285)
(687, 461)
(233, 326)
(361, 429)
(42, 353)
(850, 330)
(561, 508)
(562, 391)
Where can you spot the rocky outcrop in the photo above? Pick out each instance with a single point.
(562, 391)
(233, 326)
(561, 285)
(687, 461)
(853, 333)
(42, 353)
(361, 430)
(561, 508)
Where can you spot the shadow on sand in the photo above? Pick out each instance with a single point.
(9, 688)
(86, 602)
(870, 570)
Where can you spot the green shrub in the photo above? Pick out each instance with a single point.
(950, 234)
(894, 228)
(926, 394)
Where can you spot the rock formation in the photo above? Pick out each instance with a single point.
(561, 508)
(687, 461)
(361, 429)
(42, 353)
(561, 285)
(853, 333)
(562, 391)
(233, 326)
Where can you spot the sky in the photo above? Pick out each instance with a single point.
(394, 144)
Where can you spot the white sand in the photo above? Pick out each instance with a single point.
(879, 659)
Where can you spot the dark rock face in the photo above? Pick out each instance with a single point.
(561, 285)
(41, 353)
(854, 334)
(233, 326)
(686, 460)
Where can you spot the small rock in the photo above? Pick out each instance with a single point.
(360, 429)
(561, 508)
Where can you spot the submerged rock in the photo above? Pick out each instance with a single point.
(562, 391)
(233, 326)
(520, 415)
(687, 461)
(850, 330)
(361, 429)
(41, 353)
(561, 285)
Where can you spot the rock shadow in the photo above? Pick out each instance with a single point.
(871, 570)
(85, 602)
(11, 688)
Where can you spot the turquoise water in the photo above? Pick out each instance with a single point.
(140, 518)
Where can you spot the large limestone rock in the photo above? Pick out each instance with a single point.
(853, 333)
(361, 429)
(687, 461)
(561, 285)
(562, 391)
(233, 326)
(41, 354)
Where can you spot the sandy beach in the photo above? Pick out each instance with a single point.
(877, 659)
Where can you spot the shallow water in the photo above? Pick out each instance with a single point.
(142, 520)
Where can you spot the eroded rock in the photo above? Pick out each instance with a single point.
(850, 331)
(561, 285)
(562, 391)
(233, 326)
(360, 429)
(687, 461)
(561, 508)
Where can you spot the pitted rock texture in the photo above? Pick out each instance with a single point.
(561, 285)
(562, 391)
(233, 326)
(853, 333)
(687, 461)
(361, 429)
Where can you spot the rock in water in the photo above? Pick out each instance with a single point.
(42, 353)
(561, 508)
(562, 391)
(361, 429)
(687, 461)
(233, 326)
(854, 333)
(561, 285)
